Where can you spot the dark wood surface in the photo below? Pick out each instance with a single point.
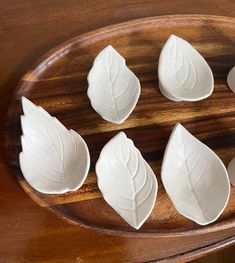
(30, 233)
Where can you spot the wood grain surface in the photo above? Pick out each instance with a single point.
(58, 83)
(33, 234)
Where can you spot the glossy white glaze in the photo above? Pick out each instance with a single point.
(194, 177)
(126, 181)
(53, 160)
(183, 73)
(113, 89)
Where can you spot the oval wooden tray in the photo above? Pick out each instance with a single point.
(58, 83)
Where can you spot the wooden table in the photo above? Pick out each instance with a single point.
(33, 234)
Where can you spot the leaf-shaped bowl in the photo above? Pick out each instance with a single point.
(53, 160)
(183, 73)
(126, 181)
(231, 79)
(194, 177)
(113, 88)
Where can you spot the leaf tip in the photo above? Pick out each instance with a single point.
(25, 101)
(176, 38)
(138, 225)
(27, 104)
(109, 48)
(122, 134)
(178, 126)
(172, 36)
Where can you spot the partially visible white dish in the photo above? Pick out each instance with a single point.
(126, 181)
(113, 88)
(231, 79)
(194, 177)
(231, 171)
(183, 73)
(53, 160)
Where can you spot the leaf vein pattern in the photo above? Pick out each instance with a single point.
(187, 170)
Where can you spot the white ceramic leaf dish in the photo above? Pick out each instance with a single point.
(53, 160)
(231, 171)
(126, 181)
(194, 177)
(183, 73)
(231, 79)
(113, 88)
